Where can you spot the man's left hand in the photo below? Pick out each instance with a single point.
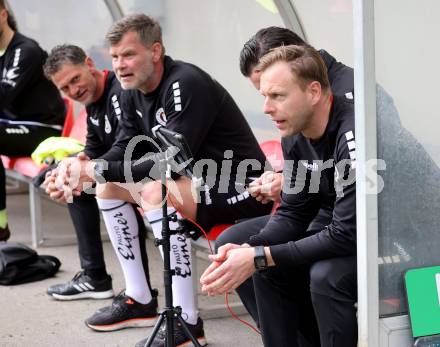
(75, 174)
(228, 275)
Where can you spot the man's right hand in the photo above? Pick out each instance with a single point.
(74, 175)
(51, 188)
(223, 251)
(230, 268)
(267, 187)
(220, 257)
(56, 182)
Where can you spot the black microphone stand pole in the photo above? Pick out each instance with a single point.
(169, 313)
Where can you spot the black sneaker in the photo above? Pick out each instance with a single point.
(120, 297)
(4, 233)
(82, 286)
(180, 337)
(124, 313)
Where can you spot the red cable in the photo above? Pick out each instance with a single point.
(191, 220)
(233, 314)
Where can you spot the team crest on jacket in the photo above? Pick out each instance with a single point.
(108, 127)
(161, 117)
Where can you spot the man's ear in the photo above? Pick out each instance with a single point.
(90, 63)
(3, 16)
(156, 50)
(315, 91)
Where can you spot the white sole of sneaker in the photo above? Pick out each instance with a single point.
(85, 295)
(202, 341)
(130, 323)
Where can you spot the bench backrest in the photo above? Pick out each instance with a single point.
(79, 128)
(70, 118)
(274, 154)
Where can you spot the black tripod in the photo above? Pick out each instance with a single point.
(170, 312)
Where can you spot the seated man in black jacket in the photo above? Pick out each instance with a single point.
(318, 143)
(268, 187)
(73, 72)
(31, 108)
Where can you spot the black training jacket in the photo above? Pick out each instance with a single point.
(189, 102)
(286, 230)
(341, 76)
(103, 118)
(25, 93)
(342, 83)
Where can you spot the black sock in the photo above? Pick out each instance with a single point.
(96, 274)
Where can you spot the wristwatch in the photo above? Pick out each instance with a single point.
(260, 260)
(98, 171)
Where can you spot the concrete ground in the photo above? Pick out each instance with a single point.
(28, 317)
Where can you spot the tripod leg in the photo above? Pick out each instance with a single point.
(155, 330)
(170, 340)
(187, 332)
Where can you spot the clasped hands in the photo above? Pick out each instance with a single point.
(230, 267)
(70, 178)
(267, 187)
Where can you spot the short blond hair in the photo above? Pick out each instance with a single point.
(305, 63)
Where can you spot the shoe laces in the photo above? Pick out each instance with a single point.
(77, 276)
(122, 303)
(120, 295)
(178, 331)
(121, 298)
(118, 307)
(162, 332)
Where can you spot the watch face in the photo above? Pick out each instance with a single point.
(260, 262)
